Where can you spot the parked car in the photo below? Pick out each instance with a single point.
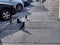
(18, 4)
(6, 11)
(26, 3)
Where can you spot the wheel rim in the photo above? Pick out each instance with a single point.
(19, 8)
(6, 15)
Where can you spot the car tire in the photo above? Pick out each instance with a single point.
(6, 15)
(19, 7)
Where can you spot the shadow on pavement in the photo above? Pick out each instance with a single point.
(30, 6)
(14, 27)
(40, 9)
(7, 32)
(11, 29)
(26, 8)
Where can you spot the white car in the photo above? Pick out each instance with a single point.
(18, 4)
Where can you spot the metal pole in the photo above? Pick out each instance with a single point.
(59, 8)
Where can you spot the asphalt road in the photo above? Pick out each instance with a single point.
(42, 28)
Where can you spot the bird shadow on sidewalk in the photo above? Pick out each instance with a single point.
(24, 30)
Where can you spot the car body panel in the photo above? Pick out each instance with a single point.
(12, 2)
(10, 7)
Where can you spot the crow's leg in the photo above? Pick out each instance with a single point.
(22, 26)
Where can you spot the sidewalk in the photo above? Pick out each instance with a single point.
(43, 26)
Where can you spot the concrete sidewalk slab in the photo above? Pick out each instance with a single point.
(12, 38)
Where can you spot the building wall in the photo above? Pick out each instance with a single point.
(53, 6)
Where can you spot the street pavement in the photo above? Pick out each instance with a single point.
(41, 28)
